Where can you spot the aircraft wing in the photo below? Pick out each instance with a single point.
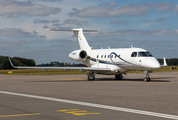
(82, 69)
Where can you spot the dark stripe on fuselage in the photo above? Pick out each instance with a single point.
(105, 62)
(119, 58)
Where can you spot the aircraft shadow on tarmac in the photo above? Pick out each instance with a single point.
(160, 79)
(59, 81)
(137, 80)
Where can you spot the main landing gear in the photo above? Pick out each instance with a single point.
(91, 76)
(147, 78)
(118, 77)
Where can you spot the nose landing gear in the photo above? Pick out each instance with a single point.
(147, 78)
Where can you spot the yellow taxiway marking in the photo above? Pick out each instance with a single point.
(76, 112)
(20, 115)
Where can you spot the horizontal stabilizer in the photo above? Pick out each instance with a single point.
(72, 30)
(83, 44)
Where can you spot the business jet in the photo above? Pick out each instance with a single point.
(107, 61)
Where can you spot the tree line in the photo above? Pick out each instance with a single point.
(17, 61)
(171, 61)
(62, 64)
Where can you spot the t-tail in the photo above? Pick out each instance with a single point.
(83, 44)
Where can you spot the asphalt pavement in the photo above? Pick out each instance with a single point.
(66, 97)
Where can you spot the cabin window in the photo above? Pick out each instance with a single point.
(105, 56)
(101, 56)
(108, 56)
(97, 56)
(134, 54)
(115, 56)
(111, 56)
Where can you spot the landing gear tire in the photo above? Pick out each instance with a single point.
(118, 77)
(91, 78)
(147, 79)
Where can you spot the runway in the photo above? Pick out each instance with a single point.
(52, 97)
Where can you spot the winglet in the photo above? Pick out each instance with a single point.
(165, 63)
(11, 63)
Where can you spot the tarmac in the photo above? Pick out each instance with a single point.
(66, 97)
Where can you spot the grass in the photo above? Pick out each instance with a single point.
(40, 72)
(62, 72)
(162, 69)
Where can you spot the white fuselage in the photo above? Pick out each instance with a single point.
(120, 60)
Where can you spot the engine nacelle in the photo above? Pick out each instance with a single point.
(79, 55)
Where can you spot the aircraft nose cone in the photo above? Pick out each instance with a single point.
(150, 64)
(154, 64)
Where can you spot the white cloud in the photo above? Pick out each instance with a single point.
(11, 8)
(160, 20)
(162, 6)
(50, 0)
(14, 32)
(109, 4)
(144, 21)
(160, 32)
(109, 12)
(175, 32)
(38, 21)
(75, 21)
(130, 32)
(175, 9)
(128, 10)
(118, 22)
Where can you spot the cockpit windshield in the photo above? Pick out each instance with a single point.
(144, 54)
(149, 54)
(141, 54)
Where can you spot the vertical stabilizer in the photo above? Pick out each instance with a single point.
(83, 44)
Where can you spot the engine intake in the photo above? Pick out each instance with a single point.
(83, 54)
(79, 55)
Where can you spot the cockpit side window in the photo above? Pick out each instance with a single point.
(149, 54)
(134, 54)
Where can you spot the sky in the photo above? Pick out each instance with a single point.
(151, 25)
